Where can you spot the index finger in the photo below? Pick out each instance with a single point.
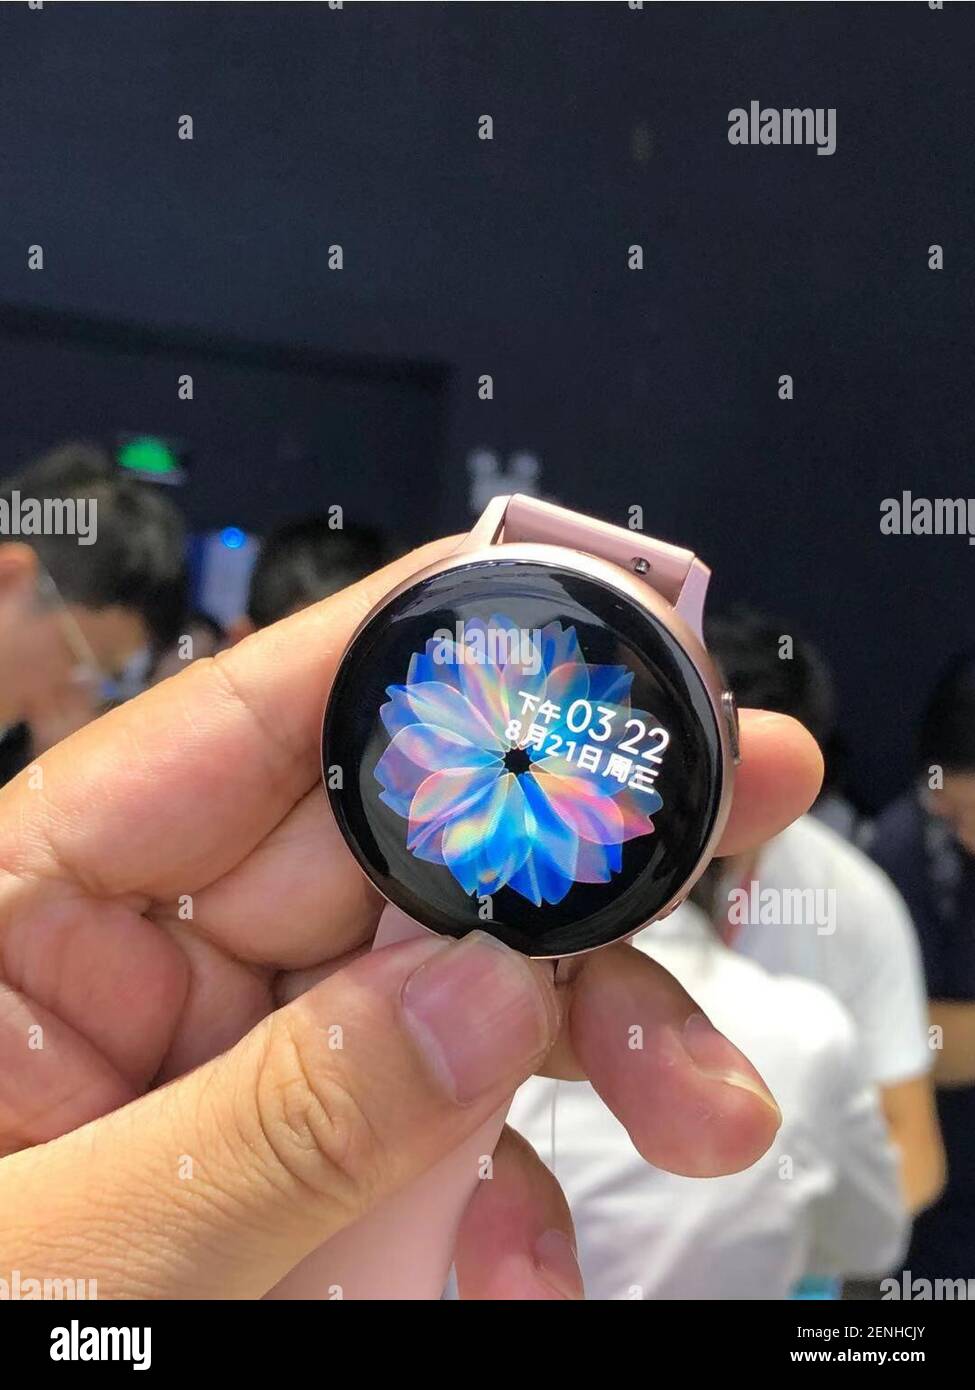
(169, 792)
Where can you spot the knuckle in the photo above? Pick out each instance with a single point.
(312, 1124)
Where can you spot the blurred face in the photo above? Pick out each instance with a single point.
(955, 804)
(54, 654)
(112, 637)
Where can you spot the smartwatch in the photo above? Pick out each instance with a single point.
(527, 738)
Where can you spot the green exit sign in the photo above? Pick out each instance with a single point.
(151, 457)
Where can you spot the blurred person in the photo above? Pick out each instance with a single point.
(303, 562)
(824, 1199)
(800, 684)
(925, 841)
(75, 611)
(200, 635)
(854, 934)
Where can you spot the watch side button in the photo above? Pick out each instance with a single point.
(679, 903)
(729, 709)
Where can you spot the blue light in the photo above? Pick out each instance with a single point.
(232, 537)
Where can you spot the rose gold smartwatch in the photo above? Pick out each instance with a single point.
(526, 738)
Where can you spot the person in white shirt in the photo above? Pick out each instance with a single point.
(810, 904)
(825, 1198)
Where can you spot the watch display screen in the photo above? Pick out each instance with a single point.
(519, 748)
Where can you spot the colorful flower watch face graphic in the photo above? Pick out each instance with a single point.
(528, 770)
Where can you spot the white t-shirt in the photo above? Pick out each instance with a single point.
(860, 943)
(823, 1200)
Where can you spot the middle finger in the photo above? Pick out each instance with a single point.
(691, 1102)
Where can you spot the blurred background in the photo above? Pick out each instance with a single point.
(315, 387)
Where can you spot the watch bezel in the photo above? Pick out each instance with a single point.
(639, 592)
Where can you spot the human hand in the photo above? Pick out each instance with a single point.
(182, 920)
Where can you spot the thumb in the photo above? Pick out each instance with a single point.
(220, 1182)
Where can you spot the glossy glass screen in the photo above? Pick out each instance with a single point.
(522, 749)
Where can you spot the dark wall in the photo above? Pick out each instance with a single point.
(659, 387)
(270, 433)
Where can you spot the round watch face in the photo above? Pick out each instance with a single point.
(520, 748)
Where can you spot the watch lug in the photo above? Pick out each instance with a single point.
(690, 600)
(487, 527)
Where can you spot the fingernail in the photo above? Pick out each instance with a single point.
(718, 1058)
(479, 1014)
(556, 1263)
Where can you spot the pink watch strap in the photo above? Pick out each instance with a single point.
(405, 1247)
(677, 574)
